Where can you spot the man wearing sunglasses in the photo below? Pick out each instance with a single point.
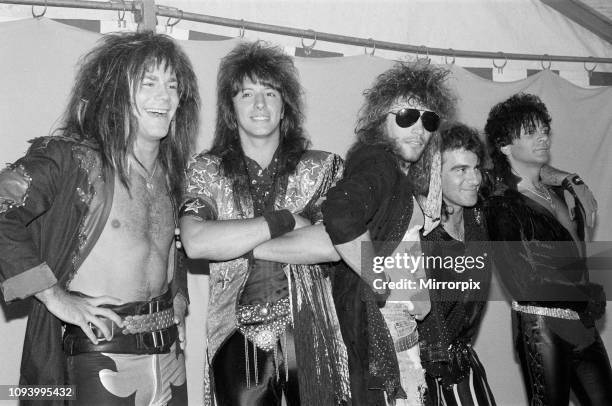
(375, 202)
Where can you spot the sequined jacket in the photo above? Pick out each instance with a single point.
(320, 351)
(54, 204)
(208, 189)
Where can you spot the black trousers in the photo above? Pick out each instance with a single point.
(229, 375)
(473, 390)
(552, 365)
(132, 380)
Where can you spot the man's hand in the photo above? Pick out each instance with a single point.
(80, 311)
(412, 308)
(180, 308)
(301, 221)
(573, 183)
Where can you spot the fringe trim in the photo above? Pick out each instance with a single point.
(320, 351)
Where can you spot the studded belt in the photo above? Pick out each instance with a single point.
(546, 311)
(148, 328)
(263, 324)
(147, 323)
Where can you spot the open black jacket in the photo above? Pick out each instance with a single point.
(373, 195)
(54, 203)
(536, 257)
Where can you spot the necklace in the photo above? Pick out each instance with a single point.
(544, 194)
(148, 177)
(458, 232)
(461, 234)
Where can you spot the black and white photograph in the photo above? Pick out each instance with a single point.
(306, 202)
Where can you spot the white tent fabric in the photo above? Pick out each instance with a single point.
(36, 74)
(521, 26)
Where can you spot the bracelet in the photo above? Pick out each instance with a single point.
(279, 222)
(569, 182)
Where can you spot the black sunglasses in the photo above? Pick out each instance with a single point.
(407, 117)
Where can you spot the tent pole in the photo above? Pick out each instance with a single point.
(150, 10)
(88, 4)
(146, 16)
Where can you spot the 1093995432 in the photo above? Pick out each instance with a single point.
(37, 392)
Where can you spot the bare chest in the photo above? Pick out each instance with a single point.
(143, 213)
(130, 259)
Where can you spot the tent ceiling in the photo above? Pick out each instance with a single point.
(601, 6)
(594, 15)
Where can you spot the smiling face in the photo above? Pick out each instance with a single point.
(408, 142)
(461, 178)
(532, 148)
(259, 110)
(156, 99)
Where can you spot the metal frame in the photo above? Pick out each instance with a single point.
(145, 12)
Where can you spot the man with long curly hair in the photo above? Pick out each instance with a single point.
(87, 224)
(371, 210)
(540, 257)
(272, 326)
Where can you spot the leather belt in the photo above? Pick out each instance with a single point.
(155, 342)
(438, 354)
(148, 329)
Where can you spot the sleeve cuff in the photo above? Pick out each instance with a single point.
(28, 283)
(340, 235)
(197, 207)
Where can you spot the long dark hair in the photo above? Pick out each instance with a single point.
(101, 103)
(266, 64)
(504, 124)
(419, 81)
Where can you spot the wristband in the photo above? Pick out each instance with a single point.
(249, 257)
(569, 182)
(279, 222)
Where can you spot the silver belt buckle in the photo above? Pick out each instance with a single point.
(155, 334)
(101, 337)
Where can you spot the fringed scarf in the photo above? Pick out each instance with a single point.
(320, 351)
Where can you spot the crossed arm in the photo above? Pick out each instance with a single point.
(223, 240)
(308, 245)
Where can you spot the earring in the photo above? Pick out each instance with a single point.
(80, 111)
(173, 127)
